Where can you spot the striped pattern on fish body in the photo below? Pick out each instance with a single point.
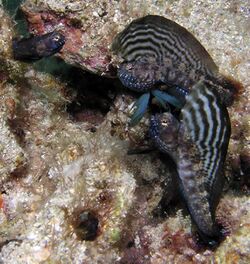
(198, 144)
(179, 54)
(207, 122)
(158, 51)
(191, 177)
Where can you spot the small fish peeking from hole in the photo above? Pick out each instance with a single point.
(37, 47)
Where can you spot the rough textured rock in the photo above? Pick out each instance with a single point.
(75, 165)
(12, 156)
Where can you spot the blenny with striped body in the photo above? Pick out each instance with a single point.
(198, 144)
(37, 47)
(157, 51)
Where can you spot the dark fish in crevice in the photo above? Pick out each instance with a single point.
(37, 47)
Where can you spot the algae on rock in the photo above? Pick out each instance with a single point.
(64, 166)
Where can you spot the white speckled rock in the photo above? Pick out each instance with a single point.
(69, 169)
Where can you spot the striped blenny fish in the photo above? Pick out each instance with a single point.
(38, 47)
(198, 144)
(156, 50)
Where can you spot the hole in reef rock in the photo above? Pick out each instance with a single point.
(93, 99)
(130, 244)
(86, 225)
(93, 95)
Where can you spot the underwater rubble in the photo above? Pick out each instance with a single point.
(69, 191)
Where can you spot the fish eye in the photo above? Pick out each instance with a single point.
(164, 120)
(56, 38)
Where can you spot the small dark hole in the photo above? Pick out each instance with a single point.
(76, 23)
(92, 129)
(94, 96)
(86, 226)
(130, 244)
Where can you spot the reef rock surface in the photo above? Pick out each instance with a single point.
(69, 191)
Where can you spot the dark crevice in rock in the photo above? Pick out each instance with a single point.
(13, 8)
(94, 95)
(86, 225)
(16, 128)
(170, 201)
